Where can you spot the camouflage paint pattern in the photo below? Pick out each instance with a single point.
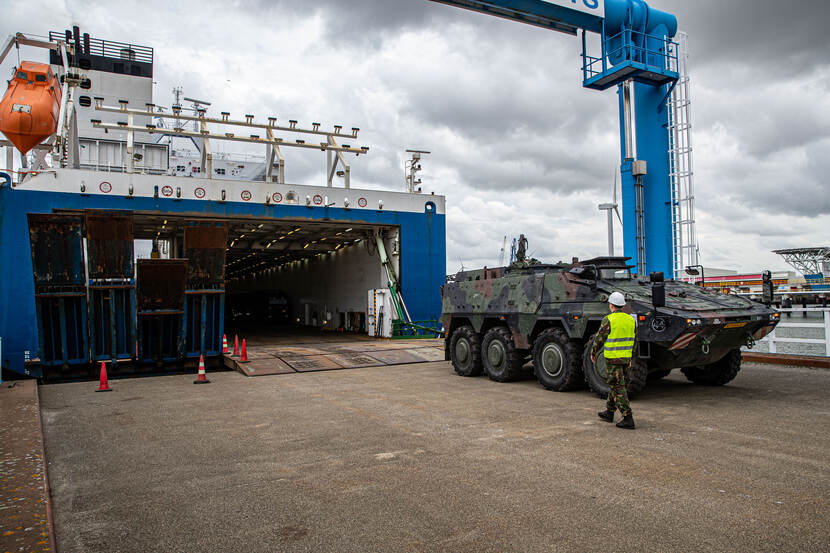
(617, 394)
(696, 326)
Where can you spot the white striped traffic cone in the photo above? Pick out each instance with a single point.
(224, 344)
(202, 378)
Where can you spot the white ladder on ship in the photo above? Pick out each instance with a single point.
(681, 169)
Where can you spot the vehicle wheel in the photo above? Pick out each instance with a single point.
(715, 374)
(556, 361)
(502, 361)
(596, 373)
(657, 375)
(465, 351)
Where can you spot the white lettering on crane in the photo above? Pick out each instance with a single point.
(594, 7)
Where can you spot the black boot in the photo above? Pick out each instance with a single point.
(607, 416)
(627, 422)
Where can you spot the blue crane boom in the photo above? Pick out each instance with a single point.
(638, 57)
(566, 16)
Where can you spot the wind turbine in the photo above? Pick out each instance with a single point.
(612, 207)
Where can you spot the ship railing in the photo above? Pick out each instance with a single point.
(110, 48)
(816, 319)
(150, 169)
(236, 157)
(17, 177)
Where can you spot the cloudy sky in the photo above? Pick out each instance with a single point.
(518, 145)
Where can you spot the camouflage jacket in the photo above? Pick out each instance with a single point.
(599, 341)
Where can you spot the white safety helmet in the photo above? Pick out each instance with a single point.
(617, 299)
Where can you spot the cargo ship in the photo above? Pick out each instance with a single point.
(106, 182)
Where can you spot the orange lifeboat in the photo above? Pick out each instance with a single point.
(30, 109)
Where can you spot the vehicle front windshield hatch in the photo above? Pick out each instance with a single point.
(615, 274)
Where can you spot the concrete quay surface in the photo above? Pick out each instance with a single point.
(415, 458)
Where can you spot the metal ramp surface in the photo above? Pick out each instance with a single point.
(267, 359)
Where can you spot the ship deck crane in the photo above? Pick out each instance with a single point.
(639, 57)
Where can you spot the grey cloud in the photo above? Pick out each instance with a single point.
(771, 117)
(365, 22)
(791, 183)
(782, 37)
(818, 169)
(764, 226)
(791, 37)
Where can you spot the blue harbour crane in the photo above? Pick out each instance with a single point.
(637, 56)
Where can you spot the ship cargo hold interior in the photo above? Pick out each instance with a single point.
(286, 273)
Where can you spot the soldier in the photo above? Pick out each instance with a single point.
(618, 333)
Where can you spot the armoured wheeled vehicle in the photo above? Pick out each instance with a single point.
(496, 320)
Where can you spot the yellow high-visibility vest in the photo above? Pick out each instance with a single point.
(620, 342)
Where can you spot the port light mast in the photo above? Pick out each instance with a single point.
(413, 167)
(638, 56)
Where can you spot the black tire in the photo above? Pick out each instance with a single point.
(657, 375)
(502, 361)
(465, 351)
(595, 373)
(556, 361)
(716, 374)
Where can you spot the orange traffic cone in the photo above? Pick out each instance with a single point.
(244, 357)
(202, 378)
(103, 385)
(224, 344)
(235, 345)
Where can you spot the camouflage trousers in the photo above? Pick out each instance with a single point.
(618, 395)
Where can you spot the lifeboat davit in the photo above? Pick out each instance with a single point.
(30, 109)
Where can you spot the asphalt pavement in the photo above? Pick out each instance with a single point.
(415, 458)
